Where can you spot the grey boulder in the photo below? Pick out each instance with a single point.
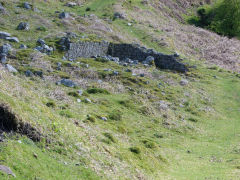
(184, 82)
(4, 35)
(149, 60)
(41, 41)
(67, 82)
(2, 9)
(29, 73)
(27, 5)
(23, 46)
(64, 15)
(5, 49)
(3, 58)
(7, 170)
(23, 26)
(71, 4)
(10, 68)
(12, 39)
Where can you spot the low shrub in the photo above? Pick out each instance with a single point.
(97, 91)
(135, 150)
(51, 104)
(74, 94)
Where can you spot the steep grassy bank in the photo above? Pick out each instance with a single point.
(143, 123)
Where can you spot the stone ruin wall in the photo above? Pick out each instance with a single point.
(122, 51)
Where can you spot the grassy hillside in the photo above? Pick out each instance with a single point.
(155, 127)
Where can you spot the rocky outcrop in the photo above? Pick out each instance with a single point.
(123, 51)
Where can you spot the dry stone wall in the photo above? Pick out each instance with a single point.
(123, 51)
(86, 49)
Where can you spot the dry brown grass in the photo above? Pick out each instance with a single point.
(192, 42)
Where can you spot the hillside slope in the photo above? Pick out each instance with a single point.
(93, 118)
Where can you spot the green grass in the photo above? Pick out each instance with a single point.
(138, 139)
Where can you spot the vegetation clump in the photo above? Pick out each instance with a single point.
(110, 137)
(51, 104)
(97, 91)
(222, 17)
(115, 115)
(135, 150)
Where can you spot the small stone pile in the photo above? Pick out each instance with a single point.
(43, 47)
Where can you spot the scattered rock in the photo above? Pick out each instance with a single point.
(10, 68)
(23, 26)
(64, 43)
(4, 49)
(104, 118)
(12, 39)
(184, 82)
(38, 73)
(59, 65)
(115, 73)
(29, 73)
(149, 60)
(144, 2)
(4, 35)
(2, 9)
(99, 81)
(64, 15)
(80, 92)
(36, 10)
(3, 58)
(71, 35)
(41, 41)
(71, 4)
(176, 54)
(35, 155)
(44, 48)
(27, 5)
(22, 46)
(87, 100)
(7, 170)
(118, 15)
(67, 82)
(163, 105)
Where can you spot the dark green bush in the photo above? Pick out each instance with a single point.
(135, 150)
(91, 118)
(149, 144)
(103, 60)
(51, 104)
(97, 91)
(126, 103)
(42, 28)
(222, 18)
(74, 94)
